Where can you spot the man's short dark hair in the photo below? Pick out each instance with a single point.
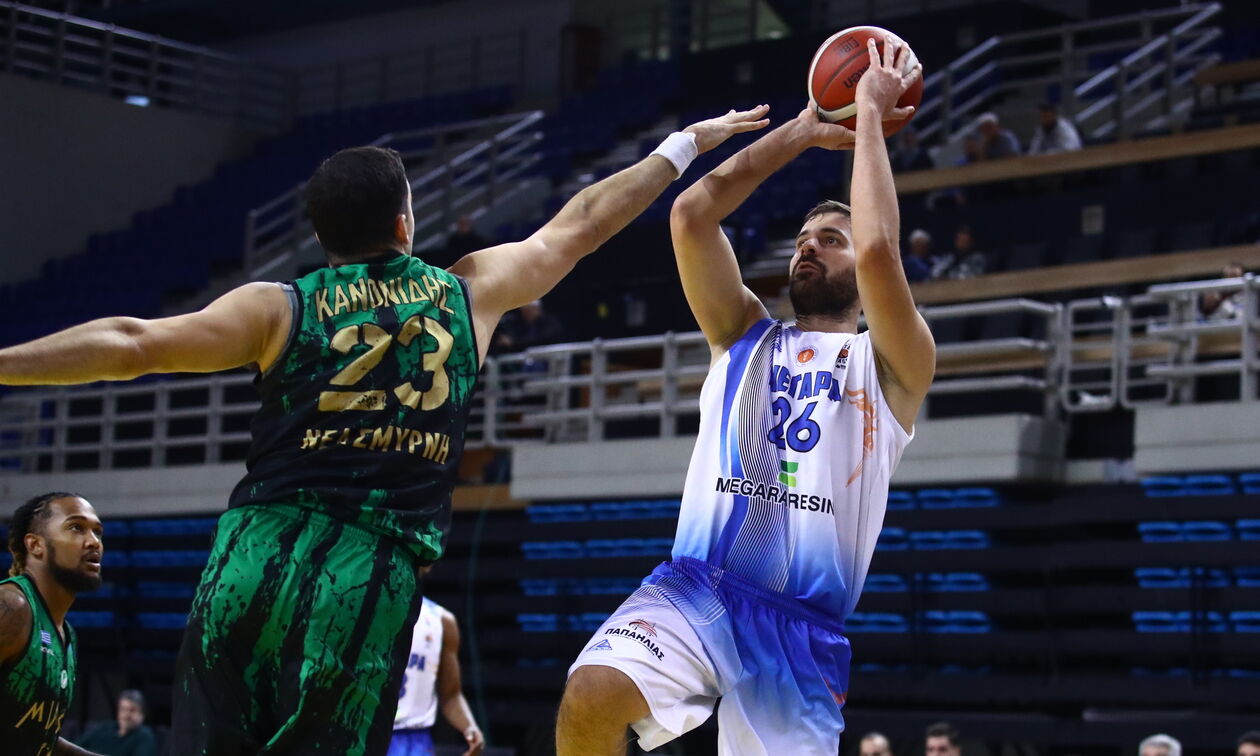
(134, 696)
(353, 199)
(30, 518)
(1250, 737)
(828, 206)
(943, 730)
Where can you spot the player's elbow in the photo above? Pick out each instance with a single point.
(688, 210)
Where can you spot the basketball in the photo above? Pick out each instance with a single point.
(836, 69)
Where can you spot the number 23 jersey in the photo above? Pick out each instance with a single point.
(788, 482)
(363, 413)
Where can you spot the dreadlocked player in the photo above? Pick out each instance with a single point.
(56, 544)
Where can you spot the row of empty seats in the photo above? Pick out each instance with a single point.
(1201, 485)
(899, 539)
(1186, 622)
(1199, 530)
(644, 509)
(929, 621)
(1207, 577)
(597, 548)
(579, 586)
(943, 498)
(142, 620)
(947, 582)
(554, 623)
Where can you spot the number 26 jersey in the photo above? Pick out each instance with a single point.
(363, 413)
(788, 482)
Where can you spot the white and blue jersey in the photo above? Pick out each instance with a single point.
(784, 500)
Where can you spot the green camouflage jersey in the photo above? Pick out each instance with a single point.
(363, 413)
(36, 690)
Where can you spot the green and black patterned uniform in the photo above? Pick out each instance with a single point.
(299, 633)
(36, 689)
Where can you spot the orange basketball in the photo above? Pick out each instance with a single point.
(837, 67)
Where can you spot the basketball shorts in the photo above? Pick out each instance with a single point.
(297, 639)
(411, 743)
(692, 634)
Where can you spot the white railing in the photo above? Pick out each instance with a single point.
(1150, 85)
(144, 68)
(453, 169)
(1095, 355)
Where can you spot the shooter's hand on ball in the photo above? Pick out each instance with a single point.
(833, 136)
(883, 83)
(714, 131)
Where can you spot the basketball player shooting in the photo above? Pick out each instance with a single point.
(300, 630)
(801, 428)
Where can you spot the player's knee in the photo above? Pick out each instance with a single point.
(602, 694)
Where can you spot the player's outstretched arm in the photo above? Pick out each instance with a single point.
(508, 276)
(722, 305)
(903, 343)
(248, 325)
(450, 688)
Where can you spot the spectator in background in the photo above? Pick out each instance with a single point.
(1055, 134)
(964, 262)
(1160, 745)
(527, 327)
(918, 264)
(1216, 305)
(909, 154)
(1248, 744)
(874, 744)
(463, 239)
(129, 736)
(942, 740)
(996, 142)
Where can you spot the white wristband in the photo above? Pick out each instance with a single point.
(680, 149)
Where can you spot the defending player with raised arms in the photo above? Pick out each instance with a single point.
(801, 427)
(299, 632)
(56, 543)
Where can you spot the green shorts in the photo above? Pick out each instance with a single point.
(297, 640)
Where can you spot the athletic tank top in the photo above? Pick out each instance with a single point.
(418, 701)
(788, 481)
(37, 688)
(363, 413)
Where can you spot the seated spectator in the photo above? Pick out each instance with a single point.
(462, 240)
(1249, 744)
(942, 739)
(965, 261)
(918, 264)
(1055, 134)
(527, 327)
(943, 199)
(996, 142)
(129, 736)
(1160, 745)
(874, 744)
(909, 154)
(1227, 305)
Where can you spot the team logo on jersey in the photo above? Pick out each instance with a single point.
(647, 627)
(806, 355)
(786, 477)
(842, 361)
(603, 645)
(45, 637)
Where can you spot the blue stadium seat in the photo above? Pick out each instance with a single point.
(1245, 622)
(1161, 577)
(885, 584)
(553, 550)
(956, 622)
(892, 539)
(1156, 622)
(545, 513)
(1207, 530)
(1164, 486)
(538, 623)
(1210, 485)
(1249, 482)
(975, 497)
(876, 622)
(936, 498)
(169, 558)
(539, 587)
(1212, 622)
(900, 500)
(586, 622)
(610, 586)
(81, 620)
(954, 582)
(1247, 577)
(164, 589)
(928, 540)
(1210, 577)
(1249, 530)
(966, 539)
(162, 620)
(1161, 532)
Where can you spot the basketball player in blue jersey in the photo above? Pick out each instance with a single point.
(801, 427)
